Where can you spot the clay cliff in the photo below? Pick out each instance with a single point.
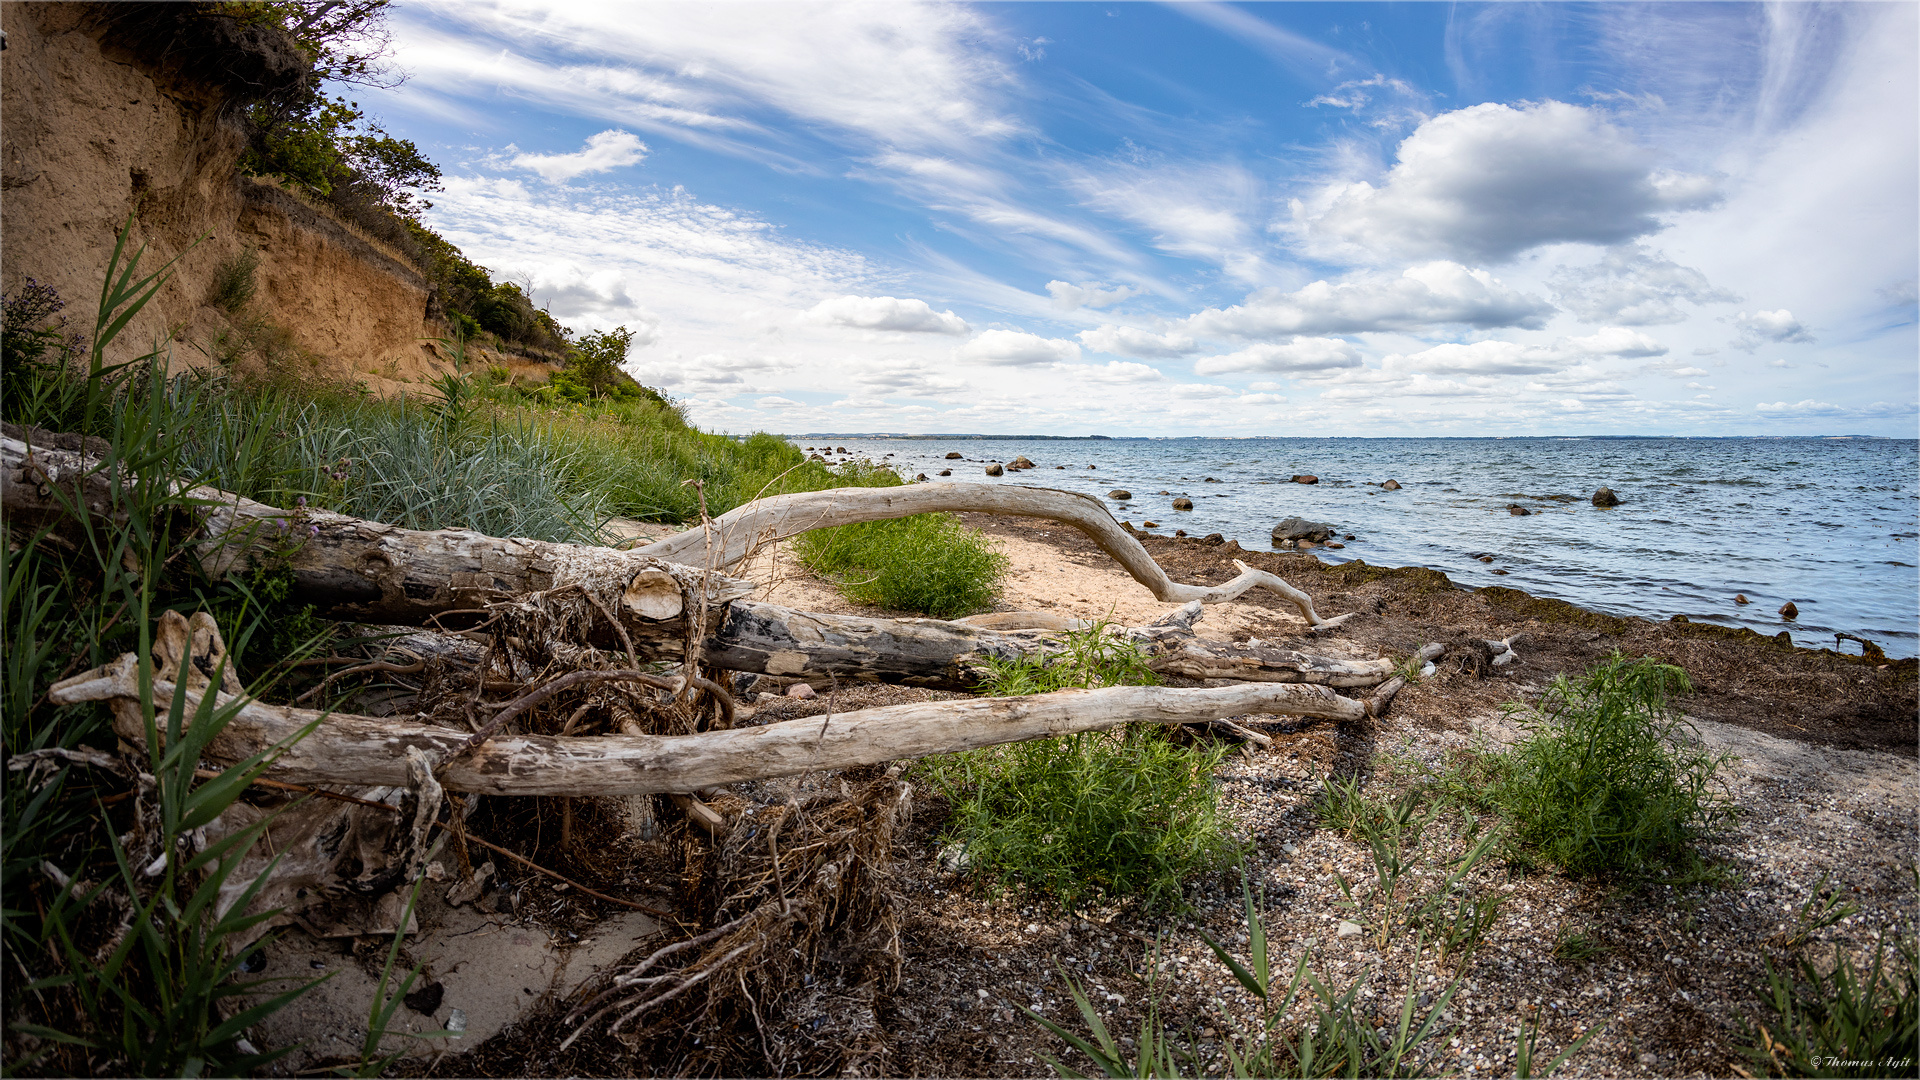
(114, 110)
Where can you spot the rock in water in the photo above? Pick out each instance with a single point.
(1391, 485)
(1295, 528)
(953, 455)
(1788, 611)
(946, 472)
(1605, 497)
(1121, 494)
(1518, 511)
(1306, 478)
(995, 470)
(920, 476)
(1149, 524)
(1183, 504)
(1090, 466)
(1020, 462)
(1741, 598)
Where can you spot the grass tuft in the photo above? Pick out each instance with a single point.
(929, 563)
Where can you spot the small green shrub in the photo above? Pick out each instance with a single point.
(1088, 816)
(928, 563)
(1610, 778)
(1089, 658)
(233, 283)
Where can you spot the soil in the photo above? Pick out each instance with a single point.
(1822, 778)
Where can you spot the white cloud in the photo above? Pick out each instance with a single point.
(778, 403)
(1069, 297)
(1478, 358)
(1115, 371)
(1261, 399)
(1812, 408)
(1616, 341)
(1432, 294)
(1633, 285)
(886, 313)
(1128, 341)
(609, 150)
(1762, 327)
(1491, 181)
(1688, 373)
(1300, 354)
(1014, 347)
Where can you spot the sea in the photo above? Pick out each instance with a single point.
(1831, 524)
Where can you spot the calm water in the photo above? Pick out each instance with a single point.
(1827, 523)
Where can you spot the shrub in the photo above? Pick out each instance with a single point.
(1610, 778)
(1128, 813)
(233, 284)
(928, 563)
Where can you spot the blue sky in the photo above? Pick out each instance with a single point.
(1200, 219)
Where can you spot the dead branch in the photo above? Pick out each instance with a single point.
(359, 750)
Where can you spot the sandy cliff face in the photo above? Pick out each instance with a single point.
(100, 119)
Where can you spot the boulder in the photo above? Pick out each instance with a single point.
(801, 691)
(1518, 511)
(840, 450)
(996, 470)
(1179, 532)
(1335, 544)
(1120, 494)
(1605, 497)
(1020, 462)
(1296, 528)
(953, 455)
(1789, 611)
(1391, 485)
(1183, 504)
(1149, 524)
(1306, 478)
(1349, 536)
(1741, 598)
(1213, 538)
(945, 472)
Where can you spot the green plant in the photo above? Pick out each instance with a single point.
(1609, 777)
(1576, 946)
(387, 999)
(1527, 1037)
(1086, 659)
(1126, 813)
(233, 285)
(1821, 910)
(928, 563)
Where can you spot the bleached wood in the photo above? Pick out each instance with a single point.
(363, 751)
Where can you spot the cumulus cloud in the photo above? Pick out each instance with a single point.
(1616, 341)
(1128, 341)
(1491, 181)
(1068, 296)
(1300, 354)
(1013, 347)
(1633, 285)
(886, 313)
(609, 150)
(777, 403)
(1115, 371)
(1478, 358)
(1765, 327)
(1425, 296)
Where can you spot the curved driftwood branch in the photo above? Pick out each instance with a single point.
(364, 751)
(743, 530)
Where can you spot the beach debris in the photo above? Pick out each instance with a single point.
(1120, 494)
(1789, 611)
(1867, 648)
(996, 469)
(1183, 504)
(1503, 653)
(1605, 497)
(1391, 485)
(1305, 478)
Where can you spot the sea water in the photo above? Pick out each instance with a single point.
(1828, 523)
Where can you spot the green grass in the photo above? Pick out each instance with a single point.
(1610, 779)
(929, 563)
(1847, 1021)
(1096, 815)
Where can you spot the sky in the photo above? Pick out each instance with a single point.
(1300, 219)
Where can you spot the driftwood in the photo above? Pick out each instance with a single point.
(361, 751)
(740, 532)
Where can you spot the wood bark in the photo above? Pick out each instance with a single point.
(763, 521)
(362, 751)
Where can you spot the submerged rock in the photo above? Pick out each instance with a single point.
(1391, 485)
(1306, 478)
(1518, 511)
(1121, 494)
(1605, 497)
(945, 472)
(953, 455)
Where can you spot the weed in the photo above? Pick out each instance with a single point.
(1844, 1022)
(233, 283)
(928, 563)
(1527, 1037)
(1577, 946)
(1610, 778)
(1087, 659)
(1127, 813)
(1822, 909)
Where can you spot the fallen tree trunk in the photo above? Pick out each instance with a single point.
(763, 521)
(362, 751)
